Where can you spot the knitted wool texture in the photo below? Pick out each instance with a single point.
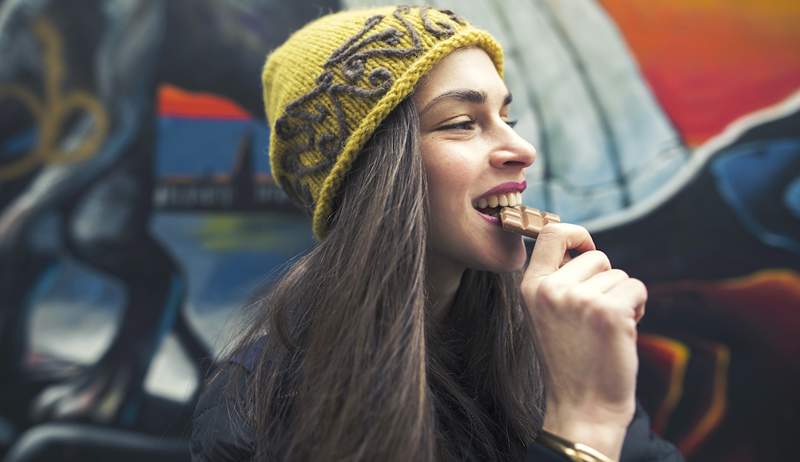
(332, 83)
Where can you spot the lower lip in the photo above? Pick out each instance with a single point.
(489, 218)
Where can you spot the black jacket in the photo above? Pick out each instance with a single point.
(215, 437)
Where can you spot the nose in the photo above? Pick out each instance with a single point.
(512, 150)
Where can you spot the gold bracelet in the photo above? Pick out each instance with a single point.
(577, 452)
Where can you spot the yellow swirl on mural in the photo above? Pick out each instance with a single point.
(52, 114)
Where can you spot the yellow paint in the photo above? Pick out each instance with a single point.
(224, 232)
(716, 410)
(52, 113)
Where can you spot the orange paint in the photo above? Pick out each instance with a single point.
(675, 355)
(710, 62)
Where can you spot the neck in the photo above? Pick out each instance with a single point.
(443, 279)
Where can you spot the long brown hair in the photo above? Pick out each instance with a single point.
(353, 366)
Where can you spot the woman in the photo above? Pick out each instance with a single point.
(407, 333)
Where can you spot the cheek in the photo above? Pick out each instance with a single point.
(446, 198)
(448, 177)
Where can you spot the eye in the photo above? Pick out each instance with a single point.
(511, 123)
(464, 125)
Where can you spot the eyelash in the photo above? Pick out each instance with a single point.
(466, 125)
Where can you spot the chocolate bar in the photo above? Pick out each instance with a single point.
(527, 221)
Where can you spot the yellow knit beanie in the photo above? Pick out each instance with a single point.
(330, 85)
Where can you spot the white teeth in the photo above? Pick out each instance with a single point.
(512, 199)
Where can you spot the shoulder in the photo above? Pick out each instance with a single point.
(642, 444)
(218, 432)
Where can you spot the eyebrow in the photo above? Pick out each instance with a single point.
(463, 94)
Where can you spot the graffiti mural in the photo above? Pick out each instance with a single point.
(138, 215)
(92, 287)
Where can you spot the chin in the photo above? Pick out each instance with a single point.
(506, 260)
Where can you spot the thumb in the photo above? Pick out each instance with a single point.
(551, 247)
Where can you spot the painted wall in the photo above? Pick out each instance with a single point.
(138, 215)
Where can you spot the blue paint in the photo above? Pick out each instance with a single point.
(749, 179)
(197, 147)
(792, 198)
(233, 277)
(23, 142)
(44, 283)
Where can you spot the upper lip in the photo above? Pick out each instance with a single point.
(511, 186)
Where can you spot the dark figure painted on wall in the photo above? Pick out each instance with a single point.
(77, 126)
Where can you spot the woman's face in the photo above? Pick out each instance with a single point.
(470, 152)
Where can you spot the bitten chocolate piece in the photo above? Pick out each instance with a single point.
(527, 221)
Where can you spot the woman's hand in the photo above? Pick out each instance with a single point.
(585, 315)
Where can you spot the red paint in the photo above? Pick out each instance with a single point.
(177, 102)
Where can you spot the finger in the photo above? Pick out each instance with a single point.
(583, 267)
(628, 295)
(605, 281)
(553, 242)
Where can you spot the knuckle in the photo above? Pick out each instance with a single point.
(601, 318)
(601, 259)
(578, 228)
(620, 273)
(584, 233)
(641, 289)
